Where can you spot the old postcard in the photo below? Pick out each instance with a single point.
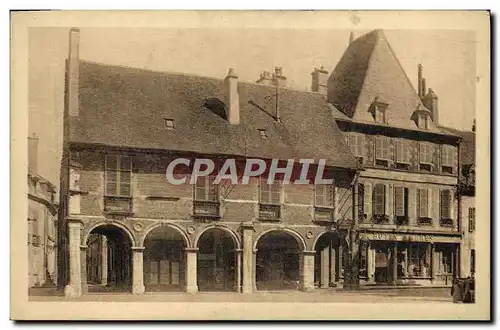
(291, 165)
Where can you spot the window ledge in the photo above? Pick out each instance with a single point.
(269, 219)
(118, 212)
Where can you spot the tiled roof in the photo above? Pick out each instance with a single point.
(126, 107)
(369, 69)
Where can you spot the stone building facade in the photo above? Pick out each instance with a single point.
(125, 227)
(42, 224)
(409, 223)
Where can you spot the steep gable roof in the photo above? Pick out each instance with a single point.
(126, 107)
(370, 70)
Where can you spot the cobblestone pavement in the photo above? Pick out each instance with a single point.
(320, 295)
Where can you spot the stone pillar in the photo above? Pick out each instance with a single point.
(104, 260)
(394, 263)
(248, 259)
(137, 270)
(370, 263)
(456, 255)
(307, 271)
(83, 265)
(433, 261)
(254, 270)
(340, 253)
(191, 269)
(74, 288)
(325, 267)
(238, 254)
(333, 266)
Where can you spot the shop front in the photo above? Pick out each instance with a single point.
(398, 259)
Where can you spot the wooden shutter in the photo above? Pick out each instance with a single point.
(378, 199)
(423, 203)
(472, 219)
(378, 148)
(399, 201)
(387, 199)
(445, 204)
(361, 199)
(368, 199)
(360, 145)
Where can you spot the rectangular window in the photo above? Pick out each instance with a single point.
(379, 199)
(448, 157)
(445, 203)
(426, 151)
(382, 148)
(417, 261)
(401, 205)
(324, 195)
(205, 189)
(118, 175)
(423, 203)
(472, 219)
(403, 152)
(356, 144)
(270, 200)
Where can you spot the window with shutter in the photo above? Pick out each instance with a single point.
(118, 175)
(378, 197)
(472, 219)
(399, 201)
(361, 202)
(448, 156)
(382, 151)
(426, 151)
(423, 203)
(269, 199)
(445, 204)
(356, 144)
(206, 197)
(324, 195)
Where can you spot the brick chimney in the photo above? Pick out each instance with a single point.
(33, 154)
(73, 72)
(232, 97)
(265, 78)
(420, 91)
(278, 77)
(431, 102)
(319, 80)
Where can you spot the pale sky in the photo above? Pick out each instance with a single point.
(448, 58)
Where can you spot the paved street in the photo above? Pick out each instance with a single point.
(418, 295)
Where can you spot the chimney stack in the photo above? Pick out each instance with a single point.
(421, 91)
(474, 125)
(278, 77)
(33, 154)
(233, 98)
(265, 78)
(73, 72)
(431, 103)
(351, 37)
(319, 80)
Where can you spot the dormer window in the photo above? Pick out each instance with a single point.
(169, 123)
(422, 117)
(263, 133)
(379, 110)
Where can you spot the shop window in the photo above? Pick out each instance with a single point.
(446, 262)
(118, 174)
(418, 260)
(473, 261)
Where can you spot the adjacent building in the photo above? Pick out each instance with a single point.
(42, 224)
(407, 195)
(125, 227)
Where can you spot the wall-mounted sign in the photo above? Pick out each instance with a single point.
(408, 237)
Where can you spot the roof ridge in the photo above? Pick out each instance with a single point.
(377, 39)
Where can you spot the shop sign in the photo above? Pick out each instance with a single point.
(398, 237)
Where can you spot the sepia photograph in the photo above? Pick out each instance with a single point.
(301, 158)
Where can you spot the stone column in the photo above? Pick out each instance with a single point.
(74, 288)
(104, 260)
(433, 261)
(238, 254)
(307, 271)
(369, 263)
(325, 267)
(333, 266)
(394, 263)
(137, 270)
(456, 259)
(248, 258)
(83, 266)
(254, 270)
(191, 270)
(340, 261)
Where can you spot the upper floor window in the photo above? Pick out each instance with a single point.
(378, 199)
(118, 174)
(472, 219)
(382, 150)
(169, 123)
(361, 201)
(269, 200)
(324, 195)
(403, 154)
(448, 158)
(426, 155)
(423, 120)
(206, 197)
(356, 144)
(446, 205)
(379, 110)
(401, 205)
(424, 214)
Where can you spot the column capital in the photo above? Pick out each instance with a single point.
(191, 249)
(255, 250)
(138, 248)
(309, 252)
(83, 247)
(247, 225)
(74, 222)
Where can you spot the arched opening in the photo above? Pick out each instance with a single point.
(108, 259)
(216, 261)
(327, 260)
(164, 262)
(277, 262)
